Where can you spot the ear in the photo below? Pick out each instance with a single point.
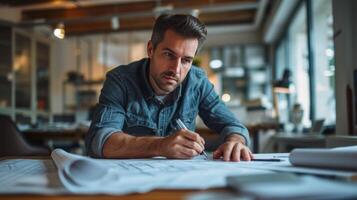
(150, 49)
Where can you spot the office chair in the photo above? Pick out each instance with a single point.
(12, 143)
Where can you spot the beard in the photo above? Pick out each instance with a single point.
(167, 81)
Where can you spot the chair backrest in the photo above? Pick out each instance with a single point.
(12, 143)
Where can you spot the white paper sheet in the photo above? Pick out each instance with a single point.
(337, 158)
(29, 176)
(142, 175)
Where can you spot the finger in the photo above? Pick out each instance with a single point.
(189, 153)
(203, 140)
(245, 154)
(227, 151)
(192, 145)
(251, 155)
(193, 136)
(218, 153)
(236, 153)
(202, 143)
(189, 135)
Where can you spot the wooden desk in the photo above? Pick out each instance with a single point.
(156, 194)
(255, 129)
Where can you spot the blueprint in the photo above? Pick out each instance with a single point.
(74, 174)
(69, 173)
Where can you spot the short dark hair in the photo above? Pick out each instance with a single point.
(187, 26)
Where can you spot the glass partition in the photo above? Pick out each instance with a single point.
(22, 67)
(42, 75)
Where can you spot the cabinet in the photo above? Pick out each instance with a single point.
(5, 67)
(24, 75)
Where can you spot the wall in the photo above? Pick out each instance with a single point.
(63, 60)
(345, 25)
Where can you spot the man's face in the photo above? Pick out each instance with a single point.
(170, 61)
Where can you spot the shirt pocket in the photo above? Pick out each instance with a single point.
(138, 125)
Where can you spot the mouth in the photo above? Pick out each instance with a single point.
(170, 78)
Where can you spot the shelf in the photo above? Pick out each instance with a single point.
(84, 96)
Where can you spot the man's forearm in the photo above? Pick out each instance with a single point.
(122, 145)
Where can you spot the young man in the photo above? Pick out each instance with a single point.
(140, 102)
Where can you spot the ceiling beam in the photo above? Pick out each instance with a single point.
(146, 23)
(129, 10)
(17, 3)
(140, 15)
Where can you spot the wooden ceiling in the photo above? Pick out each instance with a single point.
(92, 16)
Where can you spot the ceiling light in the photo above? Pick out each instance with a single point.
(226, 97)
(195, 12)
(216, 64)
(59, 31)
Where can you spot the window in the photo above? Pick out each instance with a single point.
(324, 61)
(281, 59)
(292, 52)
(299, 63)
(281, 63)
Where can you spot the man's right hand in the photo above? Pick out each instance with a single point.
(184, 144)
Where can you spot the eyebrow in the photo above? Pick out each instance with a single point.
(173, 52)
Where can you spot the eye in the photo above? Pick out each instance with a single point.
(169, 55)
(186, 61)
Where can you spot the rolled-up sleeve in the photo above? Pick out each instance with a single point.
(108, 117)
(216, 115)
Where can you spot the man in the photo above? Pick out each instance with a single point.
(140, 102)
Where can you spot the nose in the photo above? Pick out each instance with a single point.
(176, 65)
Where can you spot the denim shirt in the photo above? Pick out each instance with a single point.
(127, 104)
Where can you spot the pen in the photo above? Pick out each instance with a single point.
(267, 159)
(182, 125)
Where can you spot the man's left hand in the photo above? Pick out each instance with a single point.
(234, 149)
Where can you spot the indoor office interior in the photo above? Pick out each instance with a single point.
(286, 68)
